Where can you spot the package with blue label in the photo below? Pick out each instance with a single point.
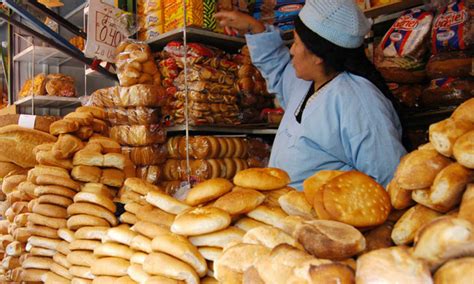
(280, 13)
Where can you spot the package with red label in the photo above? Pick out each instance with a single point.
(407, 94)
(447, 92)
(450, 64)
(453, 28)
(409, 35)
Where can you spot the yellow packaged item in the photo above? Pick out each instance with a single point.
(174, 14)
(153, 5)
(154, 18)
(154, 31)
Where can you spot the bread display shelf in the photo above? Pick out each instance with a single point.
(424, 117)
(76, 16)
(193, 34)
(49, 102)
(242, 129)
(392, 8)
(45, 55)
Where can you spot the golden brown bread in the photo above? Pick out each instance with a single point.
(17, 143)
(201, 220)
(222, 238)
(467, 204)
(269, 237)
(463, 150)
(93, 210)
(60, 181)
(262, 179)
(455, 271)
(207, 191)
(399, 197)
(465, 111)
(110, 266)
(84, 133)
(240, 201)
(46, 158)
(86, 174)
(295, 203)
(380, 237)
(108, 145)
(316, 181)
(7, 167)
(268, 215)
(444, 134)
(96, 112)
(63, 127)
(406, 228)
(83, 118)
(66, 146)
(163, 264)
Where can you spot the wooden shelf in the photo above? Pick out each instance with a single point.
(241, 129)
(392, 8)
(48, 102)
(45, 55)
(193, 34)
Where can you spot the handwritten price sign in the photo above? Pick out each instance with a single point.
(103, 34)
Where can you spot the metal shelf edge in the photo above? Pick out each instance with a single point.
(230, 130)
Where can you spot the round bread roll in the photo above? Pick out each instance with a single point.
(399, 197)
(210, 253)
(463, 150)
(272, 196)
(295, 203)
(182, 249)
(269, 237)
(141, 243)
(207, 191)
(81, 258)
(444, 134)
(37, 262)
(84, 245)
(81, 272)
(138, 257)
(136, 272)
(464, 111)
(53, 278)
(149, 229)
(165, 202)
(54, 223)
(262, 179)
(97, 199)
(405, 229)
(222, 238)
(92, 210)
(427, 164)
(384, 265)
(240, 201)
(60, 270)
(78, 221)
(66, 235)
(330, 239)
(122, 234)
(268, 215)
(55, 190)
(54, 200)
(356, 199)
(49, 210)
(246, 224)
(110, 266)
(455, 271)
(163, 264)
(316, 181)
(113, 250)
(91, 233)
(202, 220)
(61, 259)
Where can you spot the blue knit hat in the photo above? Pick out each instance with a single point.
(338, 21)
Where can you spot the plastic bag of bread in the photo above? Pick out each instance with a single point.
(60, 85)
(134, 96)
(409, 35)
(450, 64)
(206, 86)
(206, 97)
(203, 169)
(399, 69)
(447, 91)
(200, 72)
(407, 94)
(168, 68)
(148, 155)
(35, 86)
(150, 174)
(132, 116)
(135, 64)
(138, 135)
(453, 27)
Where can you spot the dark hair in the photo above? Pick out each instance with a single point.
(339, 59)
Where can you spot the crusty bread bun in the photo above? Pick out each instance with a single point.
(121, 234)
(91, 233)
(406, 228)
(246, 224)
(37, 262)
(378, 238)
(262, 178)
(290, 223)
(182, 249)
(165, 202)
(201, 220)
(210, 253)
(237, 259)
(110, 266)
(455, 271)
(426, 163)
(49, 210)
(138, 257)
(208, 191)
(53, 278)
(6, 168)
(66, 235)
(444, 134)
(98, 188)
(55, 190)
(112, 177)
(221, 238)
(82, 220)
(96, 112)
(50, 222)
(92, 210)
(108, 145)
(269, 237)
(47, 158)
(63, 247)
(136, 272)
(113, 250)
(464, 111)
(133, 207)
(55, 180)
(447, 189)
(128, 218)
(272, 196)
(113, 280)
(251, 276)
(399, 197)
(317, 271)
(163, 264)
(149, 229)
(463, 150)
(268, 215)
(86, 174)
(443, 239)
(33, 275)
(163, 280)
(61, 271)
(330, 239)
(141, 243)
(81, 258)
(78, 280)
(61, 259)
(10, 183)
(39, 170)
(467, 204)
(42, 231)
(114, 160)
(37, 251)
(81, 272)
(240, 201)
(385, 265)
(97, 199)
(156, 216)
(55, 200)
(295, 203)
(44, 242)
(356, 199)
(314, 182)
(139, 186)
(84, 245)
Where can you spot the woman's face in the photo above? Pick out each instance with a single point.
(304, 61)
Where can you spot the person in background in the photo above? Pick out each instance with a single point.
(339, 113)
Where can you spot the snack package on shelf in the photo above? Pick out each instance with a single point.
(447, 92)
(35, 86)
(135, 64)
(279, 13)
(78, 42)
(198, 13)
(132, 116)
(134, 96)
(153, 19)
(138, 135)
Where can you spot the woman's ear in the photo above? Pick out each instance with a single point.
(317, 60)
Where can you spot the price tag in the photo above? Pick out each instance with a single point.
(27, 121)
(103, 31)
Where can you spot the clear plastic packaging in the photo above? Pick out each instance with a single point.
(148, 155)
(138, 135)
(206, 73)
(203, 169)
(450, 64)
(206, 97)
(205, 87)
(35, 86)
(447, 92)
(60, 85)
(151, 174)
(132, 116)
(134, 96)
(208, 147)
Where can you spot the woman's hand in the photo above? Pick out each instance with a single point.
(240, 21)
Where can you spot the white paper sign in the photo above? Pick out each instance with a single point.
(27, 121)
(103, 33)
